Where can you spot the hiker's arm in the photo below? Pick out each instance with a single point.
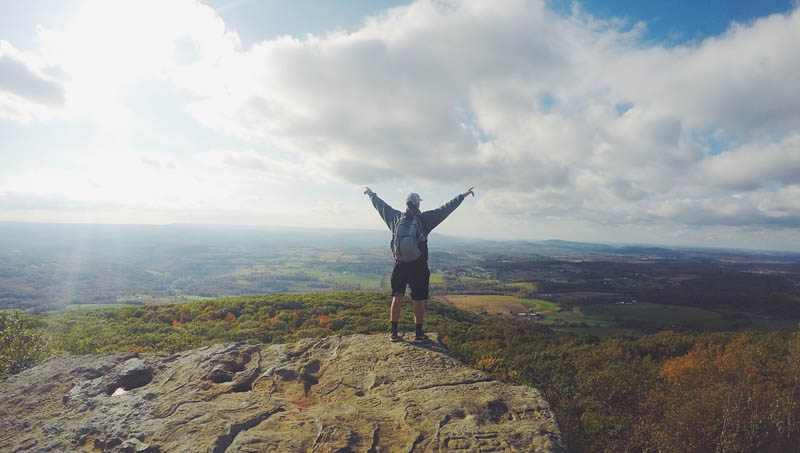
(387, 213)
(433, 218)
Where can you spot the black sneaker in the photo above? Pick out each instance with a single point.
(394, 338)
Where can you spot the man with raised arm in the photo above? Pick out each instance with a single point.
(409, 245)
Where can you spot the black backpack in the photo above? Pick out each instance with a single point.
(408, 238)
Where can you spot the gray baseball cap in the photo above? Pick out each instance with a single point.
(414, 198)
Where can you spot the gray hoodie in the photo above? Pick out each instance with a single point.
(429, 219)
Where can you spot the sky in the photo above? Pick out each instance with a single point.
(672, 123)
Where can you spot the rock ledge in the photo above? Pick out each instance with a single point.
(340, 393)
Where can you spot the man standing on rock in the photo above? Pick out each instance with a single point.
(410, 231)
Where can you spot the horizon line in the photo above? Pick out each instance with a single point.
(452, 236)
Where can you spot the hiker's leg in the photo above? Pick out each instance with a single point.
(419, 294)
(397, 305)
(399, 283)
(419, 311)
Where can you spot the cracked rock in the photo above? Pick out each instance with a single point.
(341, 393)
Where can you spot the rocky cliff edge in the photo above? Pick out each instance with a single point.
(356, 393)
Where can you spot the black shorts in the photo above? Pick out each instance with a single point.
(415, 274)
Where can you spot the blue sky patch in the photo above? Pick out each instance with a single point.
(715, 141)
(466, 116)
(623, 108)
(679, 22)
(546, 102)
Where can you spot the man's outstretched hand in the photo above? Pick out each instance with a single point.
(368, 191)
(468, 192)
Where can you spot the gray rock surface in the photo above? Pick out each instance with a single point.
(337, 394)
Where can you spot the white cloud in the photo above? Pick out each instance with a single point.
(257, 164)
(526, 104)
(756, 164)
(29, 88)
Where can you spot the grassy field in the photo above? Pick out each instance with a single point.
(437, 278)
(146, 299)
(73, 307)
(599, 330)
(494, 304)
(541, 306)
(615, 318)
(647, 313)
(339, 280)
(528, 286)
(364, 282)
(649, 317)
(477, 280)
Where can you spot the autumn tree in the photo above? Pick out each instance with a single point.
(20, 347)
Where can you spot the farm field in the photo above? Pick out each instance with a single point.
(363, 282)
(478, 281)
(647, 317)
(577, 297)
(494, 304)
(650, 312)
(602, 319)
(73, 307)
(312, 276)
(146, 299)
(528, 286)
